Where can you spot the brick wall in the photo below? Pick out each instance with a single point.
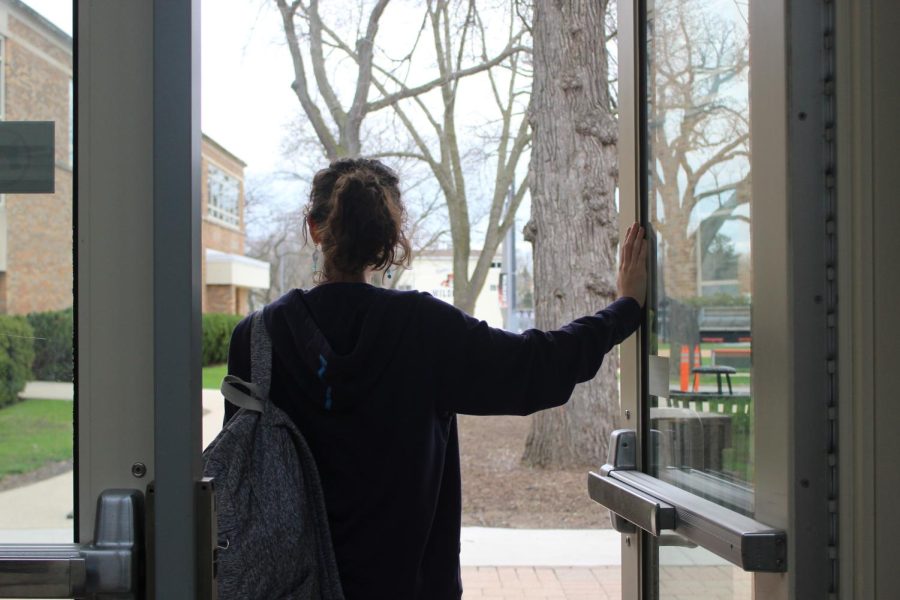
(40, 42)
(39, 273)
(221, 299)
(39, 266)
(243, 301)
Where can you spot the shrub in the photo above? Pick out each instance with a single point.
(53, 346)
(16, 357)
(217, 330)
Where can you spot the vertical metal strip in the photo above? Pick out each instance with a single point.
(812, 185)
(629, 212)
(829, 114)
(176, 292)
(649, 550)
(76, 446)
(772, 282)
(114, 248)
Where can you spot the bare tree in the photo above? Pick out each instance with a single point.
(574, 224)
(699, 134)
(453, 27)
(699, 138)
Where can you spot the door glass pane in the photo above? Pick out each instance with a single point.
(688, 571)
(699, 209)
(36, 272)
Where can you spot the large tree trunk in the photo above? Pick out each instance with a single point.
(680, 259)
(574, 225)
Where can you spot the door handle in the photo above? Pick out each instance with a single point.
(111, 564)
(636, 499)
(628, 507)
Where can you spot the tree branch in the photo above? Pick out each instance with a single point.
(406, 92)
(318, 62)
(300, 85)
(365, 52)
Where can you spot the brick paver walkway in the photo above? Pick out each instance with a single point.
(601, 583)
(569, 583)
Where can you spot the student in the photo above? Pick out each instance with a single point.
(374, 378)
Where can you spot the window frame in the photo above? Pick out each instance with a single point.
(214, 211)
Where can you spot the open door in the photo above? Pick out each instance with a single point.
(727, 160)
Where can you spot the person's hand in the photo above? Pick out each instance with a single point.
(632, 279)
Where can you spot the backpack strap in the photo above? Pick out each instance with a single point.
(260, 355)
(241, 393)
(253, 395)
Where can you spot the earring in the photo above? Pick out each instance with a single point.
(388, 273)
(316, 260)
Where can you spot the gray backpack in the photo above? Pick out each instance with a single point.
(273, 535)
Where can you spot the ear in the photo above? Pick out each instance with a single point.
(313, 230)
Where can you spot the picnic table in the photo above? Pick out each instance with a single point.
(718, 371)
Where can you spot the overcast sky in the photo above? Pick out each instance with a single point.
(246, 71)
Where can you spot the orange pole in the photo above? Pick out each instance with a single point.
(697, 363)
(685, 367)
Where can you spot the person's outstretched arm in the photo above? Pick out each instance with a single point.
(492, 371)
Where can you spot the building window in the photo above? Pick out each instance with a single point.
(224, 196)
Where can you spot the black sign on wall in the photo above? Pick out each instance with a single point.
(27, 161)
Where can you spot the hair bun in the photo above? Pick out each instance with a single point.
(356, 207)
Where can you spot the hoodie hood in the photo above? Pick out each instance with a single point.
(337, 340)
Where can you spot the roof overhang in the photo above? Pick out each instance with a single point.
(223, 268)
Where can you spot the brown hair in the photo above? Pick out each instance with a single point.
(359, 217)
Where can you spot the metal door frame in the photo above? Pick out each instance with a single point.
(138, 269)
(789, 118)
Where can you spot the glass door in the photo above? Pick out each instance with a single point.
(697, 479)
(36, 272)
(697, 203)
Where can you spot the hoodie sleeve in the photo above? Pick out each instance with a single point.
(488, 371)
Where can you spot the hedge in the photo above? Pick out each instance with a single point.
(217, 330)
(16, 357)
(53, 355)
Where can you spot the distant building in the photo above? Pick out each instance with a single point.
(36, 270)
(432, 272)
(228, 275)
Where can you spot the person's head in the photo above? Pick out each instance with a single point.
(355, 213)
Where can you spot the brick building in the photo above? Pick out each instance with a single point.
(36, 269)
(228, 274)
(36, 229)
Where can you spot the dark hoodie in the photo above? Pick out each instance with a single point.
(374, 378)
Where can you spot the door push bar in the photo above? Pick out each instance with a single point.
(109, 567)
(638, 500)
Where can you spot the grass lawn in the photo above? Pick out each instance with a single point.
(34, 433)
(213, 375)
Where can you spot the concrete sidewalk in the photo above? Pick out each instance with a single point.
(48, 390)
